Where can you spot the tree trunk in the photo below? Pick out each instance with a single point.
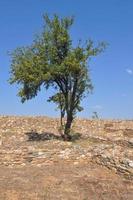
(68, 124)
(61, 120)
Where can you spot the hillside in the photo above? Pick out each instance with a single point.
(35, 164)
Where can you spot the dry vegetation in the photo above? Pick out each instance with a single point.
(35, 164)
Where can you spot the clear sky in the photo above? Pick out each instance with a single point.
(100, 20)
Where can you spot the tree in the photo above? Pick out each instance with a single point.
(95, 115)
(52, 61)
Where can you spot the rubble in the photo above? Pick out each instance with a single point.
(35, 141)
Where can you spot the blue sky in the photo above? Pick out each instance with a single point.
(100, 20)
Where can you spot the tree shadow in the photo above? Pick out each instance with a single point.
(35, 136)
(75, 136)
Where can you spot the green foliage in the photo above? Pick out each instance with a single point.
(52, 61)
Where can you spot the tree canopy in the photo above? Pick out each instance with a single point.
(52, 61)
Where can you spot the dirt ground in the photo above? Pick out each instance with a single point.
(63, 181)
(96, 166)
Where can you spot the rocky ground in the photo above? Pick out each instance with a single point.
(35, 164)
